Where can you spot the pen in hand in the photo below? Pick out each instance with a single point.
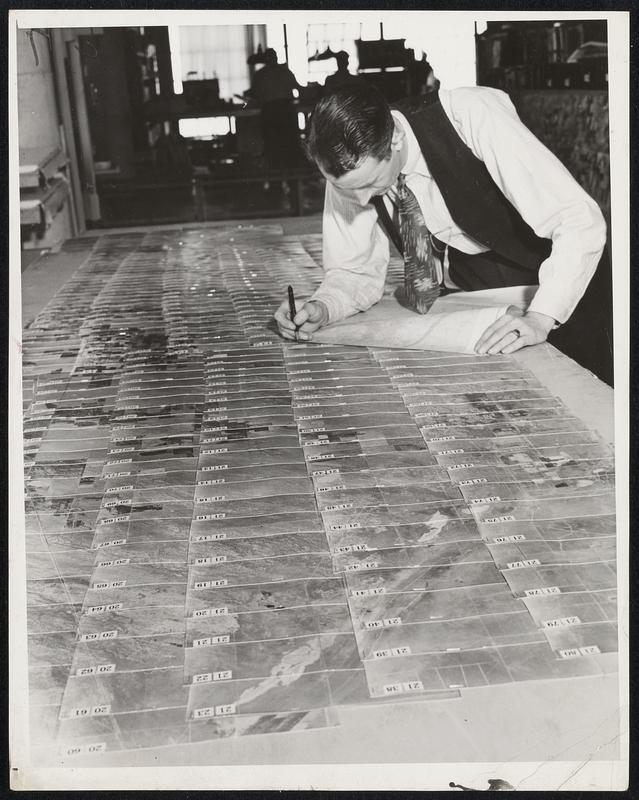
(291, 306)
(300, 322)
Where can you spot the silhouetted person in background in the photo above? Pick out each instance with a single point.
(432, 83)
(171, 155)
(342, 77)
(272, 89)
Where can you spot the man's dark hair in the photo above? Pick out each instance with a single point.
(347, 126)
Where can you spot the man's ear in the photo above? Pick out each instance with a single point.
(397, 140)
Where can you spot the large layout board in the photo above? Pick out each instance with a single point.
(229, 534)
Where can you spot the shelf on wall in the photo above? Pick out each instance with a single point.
(38, 165)
(39, 206)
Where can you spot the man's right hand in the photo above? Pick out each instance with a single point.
(309, 318)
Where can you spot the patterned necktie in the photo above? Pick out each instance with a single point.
(421, 283)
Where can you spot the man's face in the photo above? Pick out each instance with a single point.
(373, 176)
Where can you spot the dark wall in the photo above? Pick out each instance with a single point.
(108, 100)
(573, 124)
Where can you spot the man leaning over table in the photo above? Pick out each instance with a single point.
(498, 207)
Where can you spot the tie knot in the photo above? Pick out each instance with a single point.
(403, 192)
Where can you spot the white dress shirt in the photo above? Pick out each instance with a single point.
(356, 250)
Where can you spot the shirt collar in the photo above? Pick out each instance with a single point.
(415, 160)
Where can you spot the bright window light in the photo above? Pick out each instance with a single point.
(204, 127)
(176, 60)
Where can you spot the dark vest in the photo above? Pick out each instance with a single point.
(475, 202)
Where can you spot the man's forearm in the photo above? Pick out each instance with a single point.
(565, 275)
(541, 321)
(345, 293)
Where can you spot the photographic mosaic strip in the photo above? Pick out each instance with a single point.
(228, 534)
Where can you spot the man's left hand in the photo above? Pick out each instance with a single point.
(514, 330)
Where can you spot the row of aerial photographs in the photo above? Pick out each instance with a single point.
(230, 534)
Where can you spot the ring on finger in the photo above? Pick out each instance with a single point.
(516, 332)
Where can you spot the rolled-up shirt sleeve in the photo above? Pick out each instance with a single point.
(545, 194)
(355, 255)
